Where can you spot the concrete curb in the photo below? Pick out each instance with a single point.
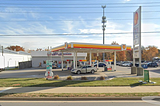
(70, 98)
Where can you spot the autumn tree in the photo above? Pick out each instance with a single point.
(158, 52)
(38, 49)
(150, 52)
(29, 51)
(15, 48)
(129, 55)
(120, 55)
(114, 43)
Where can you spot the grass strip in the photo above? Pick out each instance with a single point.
(11, 69)
(41, 82)
(30, 95)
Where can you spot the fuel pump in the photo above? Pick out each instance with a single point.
(108, 65)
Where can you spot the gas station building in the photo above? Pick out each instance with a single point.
(90, 48)
(41, 56)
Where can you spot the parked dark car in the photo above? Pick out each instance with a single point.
(112, 62)
(144, 65)
(121, 63)
(54, 66)
(152, 64)
(100, 64)
(137, 64)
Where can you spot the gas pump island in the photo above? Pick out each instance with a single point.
(90, 48)
(108, 66)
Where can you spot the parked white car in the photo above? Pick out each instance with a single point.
(84, 69)
(126, 64)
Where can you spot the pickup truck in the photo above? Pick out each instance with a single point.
(84, 69)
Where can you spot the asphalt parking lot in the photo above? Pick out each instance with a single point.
(39, 73)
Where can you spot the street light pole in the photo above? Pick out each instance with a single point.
(103, 28)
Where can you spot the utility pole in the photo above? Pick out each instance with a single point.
(103, 28)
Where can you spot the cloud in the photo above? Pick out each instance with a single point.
(126, 1)
(72, 27)
(69, 26)
(111, 27)
(27, 42)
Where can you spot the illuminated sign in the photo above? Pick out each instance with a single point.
(82, 60)
(136, 26)
(123, 47)
(66, 45)
(136, 18)
(59, 54)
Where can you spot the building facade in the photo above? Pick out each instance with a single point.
(41, 57)
(10, 59)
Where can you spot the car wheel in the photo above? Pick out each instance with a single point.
(92, 71)
(78, 72)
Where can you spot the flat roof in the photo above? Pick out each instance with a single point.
(87, 47)
(57, 54)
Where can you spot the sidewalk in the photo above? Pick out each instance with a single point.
(125, 89)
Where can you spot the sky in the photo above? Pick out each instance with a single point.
(36, 24)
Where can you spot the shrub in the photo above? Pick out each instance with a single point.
(102, 78)
(56, 77)
(83, 78)
(69, 78)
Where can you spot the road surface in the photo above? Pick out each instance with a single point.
(39, 73)
(76, 103)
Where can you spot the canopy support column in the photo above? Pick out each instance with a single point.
(62, 61)
(74, 60)
(97, 59)
(90, 58)
(114, 60)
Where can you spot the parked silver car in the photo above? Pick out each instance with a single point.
(126, 64)
(84, 69)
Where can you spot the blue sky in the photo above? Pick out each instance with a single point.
(45, 19)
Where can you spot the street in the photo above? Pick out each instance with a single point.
(77, 103)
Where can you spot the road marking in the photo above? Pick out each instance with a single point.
(107, 101)
(6, 89)
(150, 99)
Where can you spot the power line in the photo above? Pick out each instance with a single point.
(77, 34)
(71, 20)
(83, 7)
(79, 3)
(74, 12)
(43, 0)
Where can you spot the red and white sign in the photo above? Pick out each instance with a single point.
(137, 26)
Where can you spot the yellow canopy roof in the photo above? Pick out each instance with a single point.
(89, 47)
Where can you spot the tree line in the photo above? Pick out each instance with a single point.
(147, 53)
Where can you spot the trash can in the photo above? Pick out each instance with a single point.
(105, 68)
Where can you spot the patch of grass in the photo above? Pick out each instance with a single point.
(12, 69)
(78, 94)
(41, 82)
